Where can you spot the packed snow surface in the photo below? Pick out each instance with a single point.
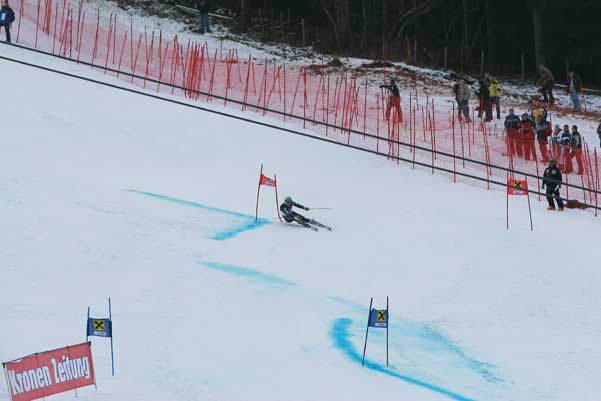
(107, 193)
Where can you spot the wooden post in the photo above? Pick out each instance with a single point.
(415, 52)
(523, 68)
(445, 57)
(482, 63)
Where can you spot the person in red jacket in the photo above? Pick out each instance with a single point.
(394, 101)
(527, 137)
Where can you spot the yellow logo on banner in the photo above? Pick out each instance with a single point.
(99, 325)
(381, 318)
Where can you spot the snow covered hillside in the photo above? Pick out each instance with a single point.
(106, 193)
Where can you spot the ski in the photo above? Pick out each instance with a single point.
(320, 225)
(309, 226)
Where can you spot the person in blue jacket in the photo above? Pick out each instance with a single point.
(7, 17)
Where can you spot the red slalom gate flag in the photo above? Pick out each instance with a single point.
(268, 182)
(517, 187)
(51, 372)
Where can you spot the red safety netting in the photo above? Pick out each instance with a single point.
(334, 103)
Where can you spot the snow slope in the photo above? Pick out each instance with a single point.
(111, 194)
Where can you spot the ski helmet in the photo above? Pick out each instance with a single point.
(288, 200)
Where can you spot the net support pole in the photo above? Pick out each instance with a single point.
(529, 208)
(367, 331)
(387, 326)
(258, 192)
(112, 353)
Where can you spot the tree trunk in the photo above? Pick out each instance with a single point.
(385, 18)
(244, 17)
(342, 18)
(492, 32)
(465, 39)
(539, 36)
(365, 22)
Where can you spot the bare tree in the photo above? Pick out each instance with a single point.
(338, 13)
(409, 16)
(539, 35)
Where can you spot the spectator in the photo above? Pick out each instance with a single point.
(527, 137)
(485, 105)
(552, 180)
(555, 141)
(494, 88)
(203, 9)
(538, 117)
(599, 132)
(538, 114)
(462, 95)
(394, 101)
(512, 128)
(541, 137)
(456, 93)
(7, 17)
(565, 163)
(546, 82)
(574, 89)
(576, 145)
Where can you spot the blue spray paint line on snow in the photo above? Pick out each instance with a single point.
(413, 334)
(431, 339)
(249, 273)
(341, 337)
(247, 222)
(482, 368)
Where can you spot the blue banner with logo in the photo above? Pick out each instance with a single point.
(100, 327)
(378, 318)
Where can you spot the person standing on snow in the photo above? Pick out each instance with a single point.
(462, 96)
(599, 132)
(552, 179)
(485, 105)
(541, 130)
(576, 144)
(527, 137)
(555, 141)
(291, 216)
(538, 117)
(566, 144)
(574, 88)
(512, 129)
(546, 82)
(7, 17)
(394, 100)
(203, 8)
(494, 88)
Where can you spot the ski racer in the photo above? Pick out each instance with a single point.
(291, 216)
